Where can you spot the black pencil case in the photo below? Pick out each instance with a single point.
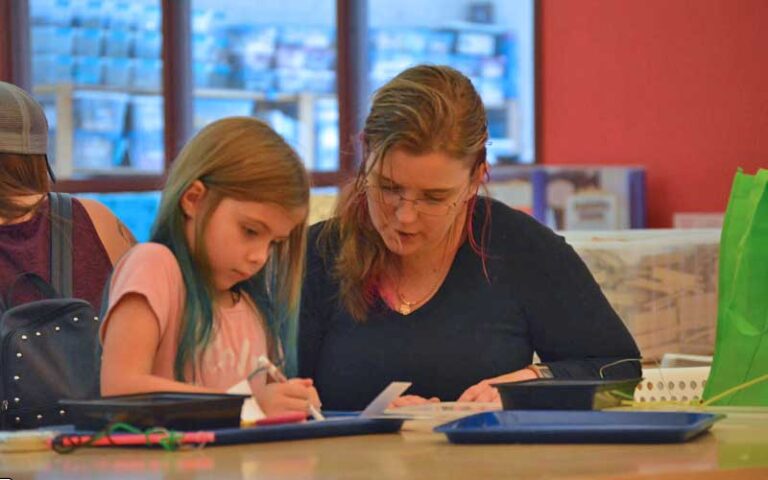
(172, 410)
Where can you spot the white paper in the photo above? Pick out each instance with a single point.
(382, 400)
(443, 411)
(251, 411)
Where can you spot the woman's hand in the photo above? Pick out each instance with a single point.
(295, 395)
(406, 400)
(484, 392)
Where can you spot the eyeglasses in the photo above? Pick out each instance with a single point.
(392, 196)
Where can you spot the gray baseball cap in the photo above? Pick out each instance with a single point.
(23, 126)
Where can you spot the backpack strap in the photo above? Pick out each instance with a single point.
(105, 295)
(61, 242)
(35, 280)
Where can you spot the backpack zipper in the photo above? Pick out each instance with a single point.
(62, 309)
(3, 411)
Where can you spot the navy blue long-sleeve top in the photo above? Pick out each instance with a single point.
(538, 296)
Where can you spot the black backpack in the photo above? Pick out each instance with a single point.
(49, 348)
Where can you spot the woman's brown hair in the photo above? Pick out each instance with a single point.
(422, 110)
(21, 175)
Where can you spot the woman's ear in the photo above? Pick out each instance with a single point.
(192, 199)
(479, 176)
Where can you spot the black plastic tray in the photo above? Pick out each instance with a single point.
(179, 411)
(554, 394)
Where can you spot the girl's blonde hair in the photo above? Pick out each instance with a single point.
(422, 110)
(244, 159)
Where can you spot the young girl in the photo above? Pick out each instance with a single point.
(219, 284)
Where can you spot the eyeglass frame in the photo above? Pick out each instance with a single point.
(450, 206)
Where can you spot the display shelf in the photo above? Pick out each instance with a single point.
(113, 142)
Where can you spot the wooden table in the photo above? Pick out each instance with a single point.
(736, 447)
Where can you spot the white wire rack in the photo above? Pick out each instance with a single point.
(672, 384)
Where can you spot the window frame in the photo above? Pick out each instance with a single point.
(177, 89)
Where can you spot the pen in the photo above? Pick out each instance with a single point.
(263, 363)
(126, 439)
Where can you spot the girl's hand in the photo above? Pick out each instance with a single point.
(406, 400)
(484, 392)
(295, 395)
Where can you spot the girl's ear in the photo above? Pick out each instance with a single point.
(192, 199)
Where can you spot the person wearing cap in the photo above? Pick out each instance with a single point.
(99, 238)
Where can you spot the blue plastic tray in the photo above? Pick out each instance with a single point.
(336, 425)
(559, 426)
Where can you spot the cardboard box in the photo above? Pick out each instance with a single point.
(662, 283)
(574, 197)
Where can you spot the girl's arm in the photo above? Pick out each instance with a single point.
(130, 344)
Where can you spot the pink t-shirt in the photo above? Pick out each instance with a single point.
(238, 336)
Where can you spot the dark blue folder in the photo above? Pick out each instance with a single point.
(560, 426)
(336, 425)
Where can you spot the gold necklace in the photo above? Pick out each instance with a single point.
(406, 307)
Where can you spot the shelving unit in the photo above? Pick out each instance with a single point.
(62, 97)
(301, 106)
(108, 122)
(277, 62)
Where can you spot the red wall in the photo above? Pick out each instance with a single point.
(679, 86)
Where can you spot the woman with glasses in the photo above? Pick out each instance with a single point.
(418, 278)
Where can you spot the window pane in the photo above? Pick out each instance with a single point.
(96, 68)
(271, 59)
(492, 42)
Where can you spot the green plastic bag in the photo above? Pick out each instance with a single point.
(741, 345)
